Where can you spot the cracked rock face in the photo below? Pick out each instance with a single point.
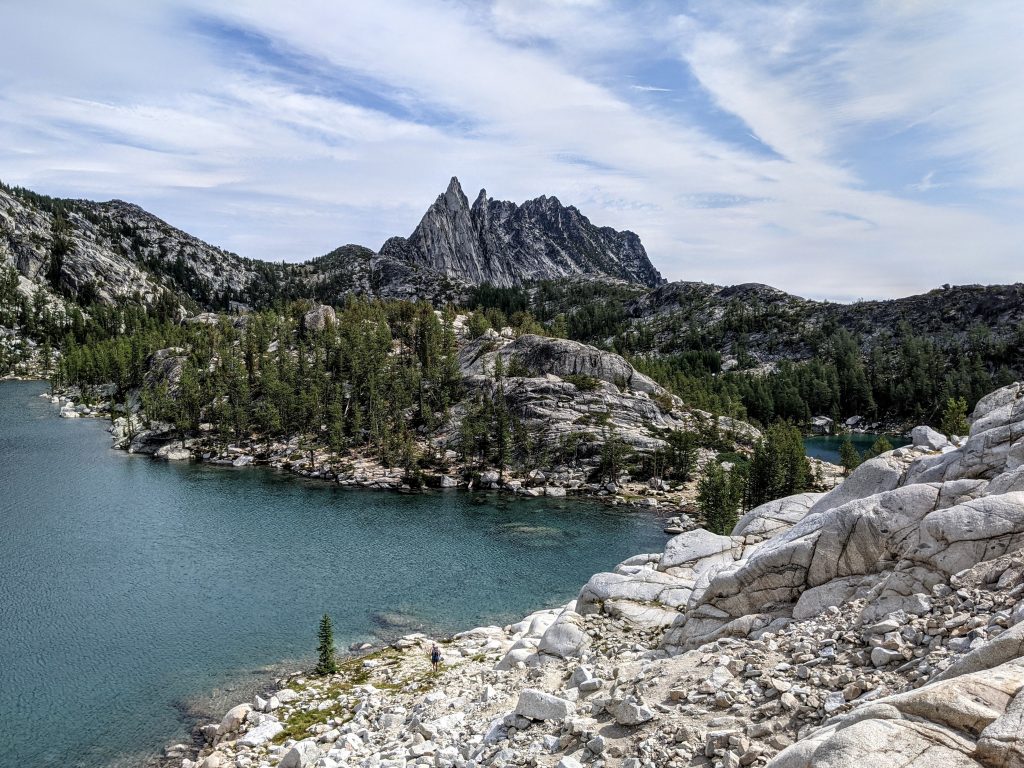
(614, 396)
(914, 514)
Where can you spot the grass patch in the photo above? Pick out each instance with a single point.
(298, 723)
(353, 673)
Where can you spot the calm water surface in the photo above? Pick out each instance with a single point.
(826, 447)
(128, 586)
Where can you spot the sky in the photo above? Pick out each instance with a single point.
(837, 150)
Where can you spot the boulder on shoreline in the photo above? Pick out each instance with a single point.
(173, 452)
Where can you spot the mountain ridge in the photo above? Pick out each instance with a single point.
(504, 244)
(863, 358)
(114, 250)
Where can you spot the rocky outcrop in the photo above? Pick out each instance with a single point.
(319, 318)
(541, 355)
(901, 545)
(505, 244)
(564, 389)
(904, 522)
(164, 367)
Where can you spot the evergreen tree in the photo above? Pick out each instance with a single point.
(476, 325)
(502, 418)
(326, 664)
(718, 497)
(614, 455)
(849, 457)
(954, 417)
(779, 466)
(681, 455)
(189, 401)
(880, 446)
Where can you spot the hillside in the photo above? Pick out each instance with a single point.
(109, 252)
(893, 362)
(772, 325)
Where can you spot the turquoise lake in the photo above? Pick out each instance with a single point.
(826, 447)
(130, 588)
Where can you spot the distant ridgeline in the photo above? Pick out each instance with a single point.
(88, 278)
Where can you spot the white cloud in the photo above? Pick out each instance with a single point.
(542, 97)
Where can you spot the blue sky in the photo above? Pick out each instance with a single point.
(834, 149)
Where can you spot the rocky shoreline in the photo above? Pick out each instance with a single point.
(354, 470)
(877, 624)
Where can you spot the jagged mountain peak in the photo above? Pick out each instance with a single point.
(454, 199)
(499, 242)
(454, 186)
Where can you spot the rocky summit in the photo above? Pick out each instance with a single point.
(875, 625)
(504, 244)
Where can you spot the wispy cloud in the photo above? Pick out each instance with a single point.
(786, 143)
(927, 183)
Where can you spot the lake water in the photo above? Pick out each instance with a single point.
(128, 587)
(826, 447)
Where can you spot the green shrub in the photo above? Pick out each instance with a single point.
(582, 382)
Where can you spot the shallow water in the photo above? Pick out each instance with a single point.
(129, 587)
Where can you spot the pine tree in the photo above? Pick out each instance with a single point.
(326, 665)
(954, 417)
(880, 446)
(848, 456)
(476, 325)
(501, 418)
(681, 456)
(779, 466)
(718, 498)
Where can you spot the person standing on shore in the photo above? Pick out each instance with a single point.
(435, 656)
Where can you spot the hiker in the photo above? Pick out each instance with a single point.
(435, 656)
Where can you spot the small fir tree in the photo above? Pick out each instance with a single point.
(718, 497)
(779, 466)
(880, 446)
(954, 417)
(681, 455)
(848, 456)
(326, 665)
